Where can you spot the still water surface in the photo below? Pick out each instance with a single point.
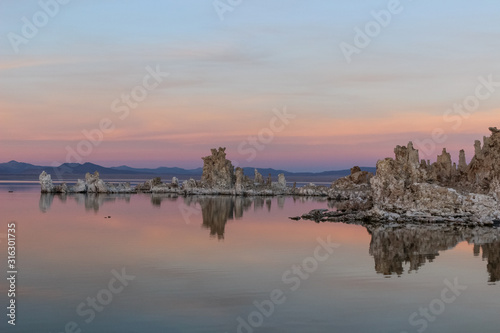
(208, 264)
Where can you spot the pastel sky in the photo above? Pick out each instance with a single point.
(227, 76)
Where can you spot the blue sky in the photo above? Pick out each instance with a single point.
(227, 75)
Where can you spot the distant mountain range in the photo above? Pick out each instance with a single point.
(72, 170)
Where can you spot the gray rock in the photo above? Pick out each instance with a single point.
(46, 182)
(217, 170)
(259, 179)
(175, 182)
(281, 180)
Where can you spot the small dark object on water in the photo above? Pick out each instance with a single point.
(11, 191)
(296, 218)
(109, 217)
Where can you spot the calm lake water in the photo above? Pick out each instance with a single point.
(204, 264)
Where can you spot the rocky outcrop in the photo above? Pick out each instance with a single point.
(311, 189)
(175, 182)
(148, 185)
(94, 183)
(240, 179)
(155, 185)
(47, 185)
(402, 186)
(79, 187)
(189, 184)
(483, 172)
(281, 181)
(269, 180)
(91, 184)
(219, 178)
(119, 188)
(354, 187)
(217, 170)
(405, 190)
(46, 182)
(259, 179)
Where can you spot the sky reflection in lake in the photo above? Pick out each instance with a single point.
(200, 263)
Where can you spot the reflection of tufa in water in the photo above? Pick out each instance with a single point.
(392, 247)
(216, 211)
(91, 201)
(491, 252)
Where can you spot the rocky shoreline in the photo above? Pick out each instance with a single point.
(219, 178)
(403, 190)
(373, 218)
(407, 190)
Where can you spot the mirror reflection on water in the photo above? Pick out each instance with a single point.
(202, 263)
(391, 247)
